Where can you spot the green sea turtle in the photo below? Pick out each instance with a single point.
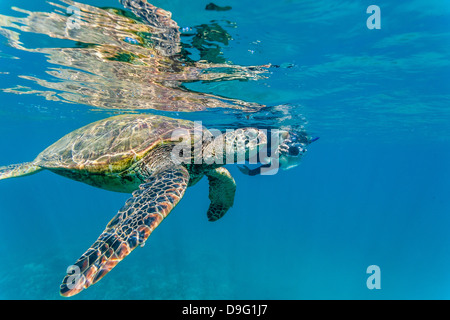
(155, 158)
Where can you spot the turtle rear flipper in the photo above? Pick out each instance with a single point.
(131, 227)
(18, 170)
(222, 188)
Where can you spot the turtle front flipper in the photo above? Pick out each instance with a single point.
(221, 193)
(131, 227)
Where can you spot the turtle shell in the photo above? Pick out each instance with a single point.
(111, 144)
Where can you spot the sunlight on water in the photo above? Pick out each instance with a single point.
(108, 50)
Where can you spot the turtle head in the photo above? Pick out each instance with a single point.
(292, 147)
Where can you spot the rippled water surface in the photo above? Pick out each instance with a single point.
(372, 191)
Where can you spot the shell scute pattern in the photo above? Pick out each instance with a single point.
(110, 145)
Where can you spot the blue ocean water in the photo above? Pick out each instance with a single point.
(372, 191)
